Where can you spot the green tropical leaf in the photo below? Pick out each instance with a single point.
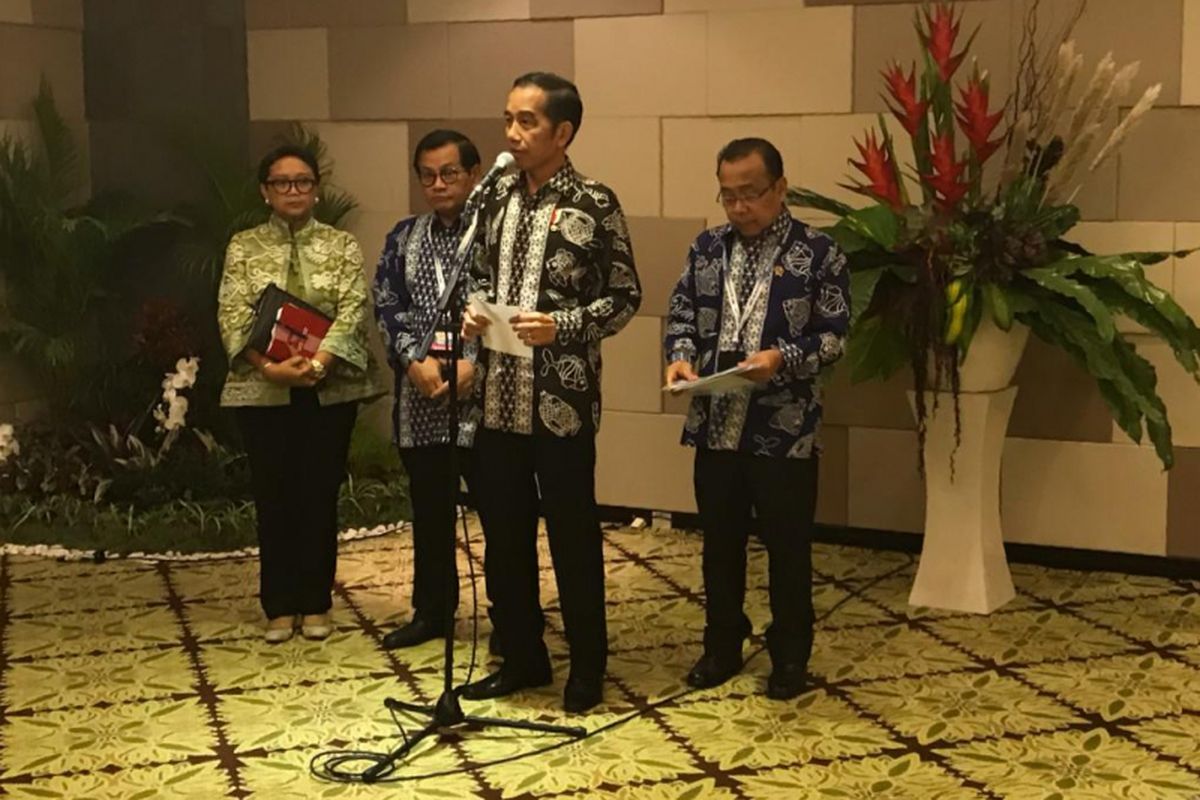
(862, 289)
(806, 198)
(875, 349)
(1060, 284)
(877, 223)
(1184, 343)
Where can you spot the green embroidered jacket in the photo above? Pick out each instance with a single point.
(322, 266)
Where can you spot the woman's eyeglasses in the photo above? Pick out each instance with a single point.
(286, 185)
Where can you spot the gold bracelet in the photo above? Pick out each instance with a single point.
(318, 368)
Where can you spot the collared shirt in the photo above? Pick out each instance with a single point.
(322, 266)
(417, 260)
(564, 251)
(804, 311)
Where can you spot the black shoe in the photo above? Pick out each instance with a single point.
(507, 680)
(414, 633)
(582, 694)
(712, 671)
(787, 681)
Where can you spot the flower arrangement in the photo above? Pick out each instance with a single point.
(972, 233)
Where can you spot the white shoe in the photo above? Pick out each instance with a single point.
(315, 626)
(280, 629)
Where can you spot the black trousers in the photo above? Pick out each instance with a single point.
(783, 495)
(297, 463)
(433, 485)
(511, 473)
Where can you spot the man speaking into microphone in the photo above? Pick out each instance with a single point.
(556, 246)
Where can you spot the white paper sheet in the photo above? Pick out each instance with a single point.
(500, 335)
(730, 380)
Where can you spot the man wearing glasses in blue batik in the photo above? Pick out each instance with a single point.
(417, 259)
(767, 293)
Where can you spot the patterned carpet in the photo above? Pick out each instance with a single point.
(132, 680)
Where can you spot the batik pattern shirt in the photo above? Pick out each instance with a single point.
(564, 251)
(417, 259)
(803, 310)
(322, 266)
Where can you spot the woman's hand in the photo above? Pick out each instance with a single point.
(534, 328)
(297, 371)
(426, 376)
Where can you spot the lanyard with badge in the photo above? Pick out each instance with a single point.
(739, 314)
(441, 339)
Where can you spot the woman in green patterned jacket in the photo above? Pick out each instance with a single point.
(296, 416)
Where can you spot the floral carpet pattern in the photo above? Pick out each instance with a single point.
(151, 680)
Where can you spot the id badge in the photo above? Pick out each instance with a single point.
(441, 343)
(728, 359)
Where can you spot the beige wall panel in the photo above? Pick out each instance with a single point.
(488, 56)
(884, 33)
(1097, 197)
(1084, 495)
(1186, 287)
(1147, 31)
(487, 134)
(833, 485)
(640, 463)
(885, 490)
(370, 161)
(641, 66)
(1178, 390)
(684, 6)
(753, 66)
(288, 73)
(569, 9)
(660, 248)
(690, 149)
(1057, 399)
(632, 379)
(826, 143)
(26, 55)
(323, 13)
(400, 72)
(1183, 504)
(466, 10)
(625, 154)
(870, 404)
(58, 13)
(1160, 167)
(1189, 88)
(18, 12)
(1125, 237)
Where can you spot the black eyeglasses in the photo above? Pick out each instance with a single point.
(285, 185)
(449, 175)
(731, 199)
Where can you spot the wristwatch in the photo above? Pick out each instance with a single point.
(318, 368)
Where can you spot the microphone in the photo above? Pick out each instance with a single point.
(503, 162)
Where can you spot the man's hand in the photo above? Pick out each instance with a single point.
(534, 328)
(763, 365)
(426, 376)
(295, 372)
(466, 379)
(474, 324)
(680, 371)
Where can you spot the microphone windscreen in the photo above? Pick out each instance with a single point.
(505, 160)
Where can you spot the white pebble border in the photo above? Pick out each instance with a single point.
(67, 554)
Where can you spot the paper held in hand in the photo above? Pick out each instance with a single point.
(730, 380)
(500, 335)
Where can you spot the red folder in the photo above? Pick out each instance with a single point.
(297, 332)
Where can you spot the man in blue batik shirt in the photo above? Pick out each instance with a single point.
(416, 263)
(769, 293)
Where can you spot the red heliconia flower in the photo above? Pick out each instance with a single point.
(939, 36)
(975, 121)
(946, 178)
(879, 168)
(904, 91)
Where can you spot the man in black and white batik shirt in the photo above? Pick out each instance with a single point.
(556, 246)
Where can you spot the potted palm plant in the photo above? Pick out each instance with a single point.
(959, 257)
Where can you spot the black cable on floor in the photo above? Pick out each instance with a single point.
(331, 765)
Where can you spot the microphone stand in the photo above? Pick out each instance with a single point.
(447, 711)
